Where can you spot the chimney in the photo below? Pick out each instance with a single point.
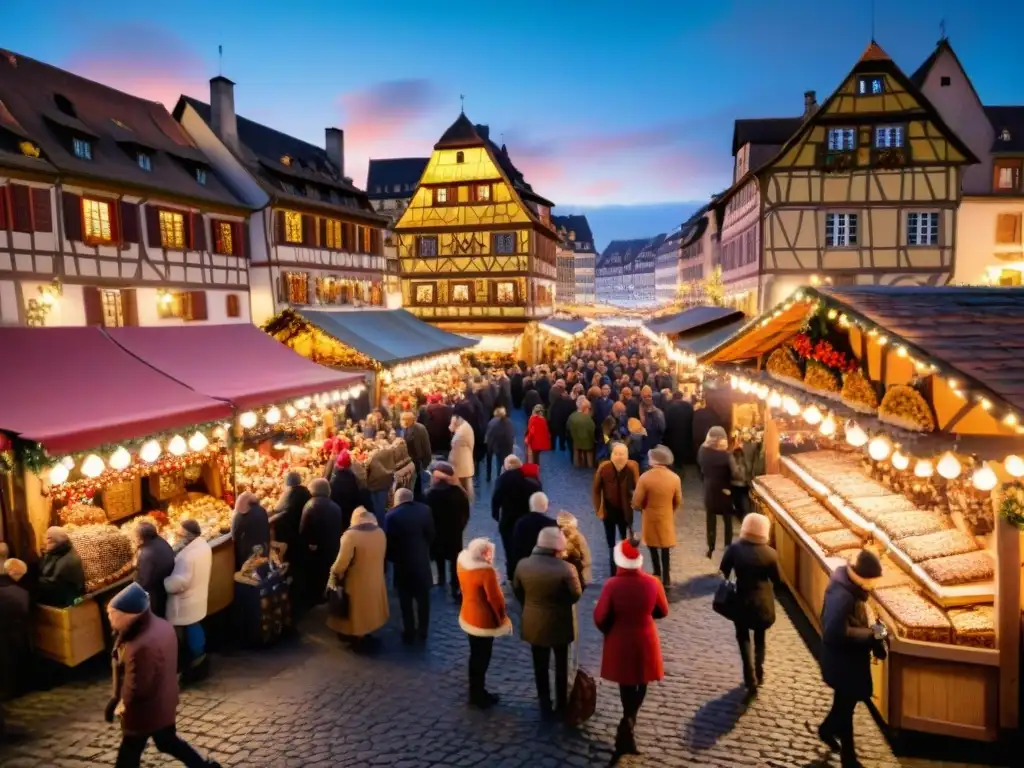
(334, 143)
(810, 103)
(222, 110)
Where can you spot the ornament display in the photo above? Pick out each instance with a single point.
(903, 406)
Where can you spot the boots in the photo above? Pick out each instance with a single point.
(612, 568)
(623, 740)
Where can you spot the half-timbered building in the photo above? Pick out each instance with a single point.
(109, 213)
(390, 184)
(575, 229)
(476, 245)
(316, 240)
(643, 271)
(666, 266)
(615, 270)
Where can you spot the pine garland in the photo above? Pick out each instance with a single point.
(1011, 505)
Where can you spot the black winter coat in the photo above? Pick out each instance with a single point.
(449, 506)
(511, 498)
(500, 437)
(846, 638)
(757, 575)
(410, 531)
(250, 530)
(703, 420)
(345, 492)
(524, 535)
(531, 399)
(61, 577)
(558, 414)
(717, 473)
(438, 421)
(15, 630)
(602, 410)
(679, 430)
(289, 512)
(321, 526)
(543, 386)
(154, 564)
(516, 381)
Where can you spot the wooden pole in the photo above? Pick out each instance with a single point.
(1008, 620)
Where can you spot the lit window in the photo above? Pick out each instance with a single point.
(1010, 278)
(505, 242)
(113, 314)
(427, 246)
(83, 149)
(96, 218)
(840, 230)
(483, 192)
(460, 293)
(1008, 175)
(460, 157)
(425, 294)
(842, 139)
(201, 175)
(440, 196)
(506, 293)
(224, 238)
(296, 286)
(145, 161)
(333, 227)
(887, 136)
(172, 229)
(292, 227)
(871, 85)
(922, 229)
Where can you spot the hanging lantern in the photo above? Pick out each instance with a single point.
(150, 451)
(1014, 465)
(923, 468)
(92, 466)
(984, 478)
(774, 399)
(855, 434)
(791, 406)
(812, 415)
(949, 466)
(828, 426)
(197, 442)
(879, 448)
(120, 459)
(58, 474)
(177, 446)
(272, 416)
(900, 460)
(248, 420)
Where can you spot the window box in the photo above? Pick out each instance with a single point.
(837, 162)
(889, 157)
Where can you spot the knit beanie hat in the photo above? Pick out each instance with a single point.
(867, 565)
(755, 528)
(627, 555)
(551, 538)
(292, 480)
(344, 460)
(132, 599)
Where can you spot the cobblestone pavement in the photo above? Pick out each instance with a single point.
(311, 702)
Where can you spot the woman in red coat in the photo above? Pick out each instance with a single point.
(538, 437)
(625, 613)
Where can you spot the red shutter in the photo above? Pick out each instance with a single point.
(42, 212)
(198, 224)
(308, 230)
(323, 232)
(21, 208)
(375, 242)
(3, 206)
(153, 227)
(240, 242)
(72, 208)
(233, 308)
(129, 307)
(129, 221)
(197, 304)
(278, 226)
(93, 305)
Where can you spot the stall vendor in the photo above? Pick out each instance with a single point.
(61, 577)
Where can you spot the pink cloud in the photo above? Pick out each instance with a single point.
(386, 109)
(601, 188)
(142, 59)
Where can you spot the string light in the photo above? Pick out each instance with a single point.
(899, 460)
(855, 434)
(248, 420)
(879, 448)
(745, 386)
(68, 462)
(290, 411)
(150, 451)
(774, 399)
(949, 466)
(220, 432)
(1014, 465)
(734, 382)
(198, 442)
(924, 468)
(272, 416)
(58, 474)
(828, 426)
(812, 415)
(984, 478)
(92, 466)
(177, 446)
(120, 459)
(791, 406)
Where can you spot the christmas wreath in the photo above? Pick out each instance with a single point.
(1011, 506)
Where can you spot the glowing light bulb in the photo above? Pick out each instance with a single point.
(900, 461)
(734, 382)
(197, 442)
(791, 406)
(335, 396)
(855, 434)
(923, 468)
(812, 415)
(302, 403)
(272, 416)
(346, 396)
(745, 386)
(1014, 465)
(120, 459)
(828, 426)
(177, 446)
(879, 448)
(774, 400)
(58, 474)
(150, 451)
(290, 411)
(68, 462)
(949, 466)
(92, 466)
(247, 420)
(220, 432)
(984, 478)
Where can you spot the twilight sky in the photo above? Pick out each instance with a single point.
(626, 116)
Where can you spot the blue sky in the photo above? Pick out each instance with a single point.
(626, 115)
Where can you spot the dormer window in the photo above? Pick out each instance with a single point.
(286, 160)
(201, 175)
(64, 105)
(870, 85)
(460, 156)
(1004, 135)
(888, 136)
(145, 161)
(28, 149)
(82, 148)
(842, 139)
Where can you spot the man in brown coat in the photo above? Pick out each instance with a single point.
(658, 495)
(145, 662)
(614, 483)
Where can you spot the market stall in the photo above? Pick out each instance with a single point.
(559, 338)
(892, 419)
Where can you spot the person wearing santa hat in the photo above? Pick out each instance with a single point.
(630, 602)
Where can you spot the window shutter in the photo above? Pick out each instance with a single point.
(233, 308)
(375, 242)
(93, 305)
(197, 303)
(278, 226)
(198, 231)
(129, 307)
(129, 220)
(323, 232)
(308, 230)
(113, 211)
(153, 227)
(1008, 228)
(72, 209)
(282, 287)
(42, 213)
(240, 242)
(3, 206)
(21, 208)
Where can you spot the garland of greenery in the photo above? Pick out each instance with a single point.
(1011, 505)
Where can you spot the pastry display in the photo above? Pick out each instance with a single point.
(817, 520)
(874, 507)
(916, 617)
(859, 393)
(79, 514)
(782, 365)
(900, 525)
(933, 545)
(782, 488)
(905, 407)
(820, 379)
(960, 569)
(106, 554)
(974, 626)
(838, 540)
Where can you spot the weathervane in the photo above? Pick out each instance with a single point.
(462, 103)
(942, 29)
(220, 60)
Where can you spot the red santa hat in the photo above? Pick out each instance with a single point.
(434, 398)
(628, 556)
(344, 460)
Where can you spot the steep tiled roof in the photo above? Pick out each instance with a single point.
(626, 250)
(50, 108)
(764, 130)
(578, 225)
(1010, 119)
(461, 133)
(387, 174)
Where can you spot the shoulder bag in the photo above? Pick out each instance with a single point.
(724, 601)
(338, 602)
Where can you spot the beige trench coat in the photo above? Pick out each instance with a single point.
(361, 564)
(658, 495)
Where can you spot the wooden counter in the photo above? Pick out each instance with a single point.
(222, 574)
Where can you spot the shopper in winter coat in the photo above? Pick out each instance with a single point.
(614, 484)
(438, 417)
(154, 562)
(15, 630)
(380, 477)
(630, 602)
(653, 421)
(359, 569)
(320, 530)
(250, 528)
(188, 588)
(716, 470)
(288, 515)
(848, 641)
(61, 577)
(581, 434)
(528, 528)
(531, 399)
(345, 490)
(538, 437)
(543, 386)
(449, 506)
(757, 574)
(577, 550)
(511, 501)
(658, 495)
(500, 438)
(603, 405)
(679, 429)
(418, 441)
(145, 682)
(461, 457)
(548, 589)
(410, 530)
(515, 378)
(704, 419)
(482, 617)
(562, 407)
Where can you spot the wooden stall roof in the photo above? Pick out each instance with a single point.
(704, 339)
(692, 319)
(572, 327)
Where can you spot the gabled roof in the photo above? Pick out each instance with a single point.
(625, 250)
(402, 172)
(461, 133)
(692, 319)
(696, 232)
(1010, 119)
(311, 179)
(578, 224)
(763, 130)
(50, 108)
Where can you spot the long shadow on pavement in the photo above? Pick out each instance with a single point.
(716, 719)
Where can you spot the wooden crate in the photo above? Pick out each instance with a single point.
(69, 636)
(222, 576)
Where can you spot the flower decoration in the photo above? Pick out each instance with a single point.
(1011, 505)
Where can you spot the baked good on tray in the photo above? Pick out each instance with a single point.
(974, 626)
(900, 525)
(874, 507)
(960, 569)
(782, 489)
(838, 540)
(916, 617)
(857, 487)
(817, 521)
(941, 544)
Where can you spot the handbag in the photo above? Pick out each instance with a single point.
(583, 696)
(724, 601)
(338, 601)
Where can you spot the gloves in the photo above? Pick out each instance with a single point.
(879, 650)
(108, 711)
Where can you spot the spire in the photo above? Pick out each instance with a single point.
(874, 52)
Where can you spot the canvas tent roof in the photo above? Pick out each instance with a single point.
(692, 318)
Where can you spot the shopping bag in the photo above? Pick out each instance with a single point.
(582, 699)
(724, 601)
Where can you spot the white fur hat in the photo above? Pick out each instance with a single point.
(627, 555)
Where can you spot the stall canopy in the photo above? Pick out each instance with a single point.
(692, 319)
(702, 340)
(72, 389)
(238, 363)
(388, 336)
(571, 327)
